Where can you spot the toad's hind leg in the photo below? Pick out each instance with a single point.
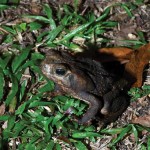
(118, 106)
(110, 98)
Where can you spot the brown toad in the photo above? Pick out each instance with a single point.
(87, 80)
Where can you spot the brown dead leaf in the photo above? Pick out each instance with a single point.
(118, 53)
(2, 109)
(144, 121)
(138, 59)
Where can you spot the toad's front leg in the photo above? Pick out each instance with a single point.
(95, 105)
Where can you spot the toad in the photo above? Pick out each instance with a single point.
(87, 80)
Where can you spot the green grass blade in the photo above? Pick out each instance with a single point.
(19, 60)
(9, 29)
(135, 132)
(135, 42)
(58, 147)
(42, 35)
(104, 15)
(141, 128)
(46, 88)
(127, 10)
(40, 18)
(12, 105)
(48, 12)
(4, 117)
(21, 109)
(148, 143)
(2, 82)
(85, 134)
(66, 20)
(80, 146)
(76, 31)
(36, 56)
(143, 147)
(141, 36)
(37, 103)
(108, 24)
(68, 10)
(11, 122)
(47, 123)
(4, 61)
(112, 131)
(34, 26)
(54, 33)
(2, 7)
(121, 135)
(50, 146)
(30, 146)
(13, 91)
(57, 119)
(22, 89)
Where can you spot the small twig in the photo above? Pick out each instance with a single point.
(3, 30)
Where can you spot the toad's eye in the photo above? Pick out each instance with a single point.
(60, 71)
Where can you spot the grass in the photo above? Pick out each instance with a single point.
(32, 118)
(136, 93)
